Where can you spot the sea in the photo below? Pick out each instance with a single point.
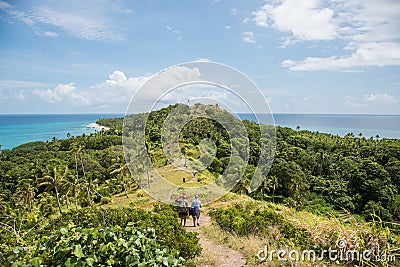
(18, 129)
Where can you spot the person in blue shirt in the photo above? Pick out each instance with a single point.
(196, 209)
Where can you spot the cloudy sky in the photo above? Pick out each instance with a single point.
(309, 56)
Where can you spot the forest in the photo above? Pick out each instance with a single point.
(54, 194)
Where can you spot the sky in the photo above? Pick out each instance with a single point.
(309, 56)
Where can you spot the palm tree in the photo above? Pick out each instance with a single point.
(120, 168)
(275, 185)
(26, 192)
(146, 155)
(71, 182)
(53, 178)
(79, 150)
(3, 202)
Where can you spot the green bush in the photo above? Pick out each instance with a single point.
(170, 236)
(99, 246)
(163, 220)
(105, 200)
(248, 220)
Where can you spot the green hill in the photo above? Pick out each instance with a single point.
(320, 189)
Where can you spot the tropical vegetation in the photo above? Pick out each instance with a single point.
(54, 194)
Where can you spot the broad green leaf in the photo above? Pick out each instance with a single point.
(90, 261)
(165, 261)
(16, 264)
(36, 262)
(17, 250)
(78, 251)
(70, 262)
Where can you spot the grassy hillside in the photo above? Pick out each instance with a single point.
(320, 189)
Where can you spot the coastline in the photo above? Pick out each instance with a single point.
(16, 130)
(97, 126)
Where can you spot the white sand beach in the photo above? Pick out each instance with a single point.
(97, 126)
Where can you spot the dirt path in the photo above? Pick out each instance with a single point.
(214, 254)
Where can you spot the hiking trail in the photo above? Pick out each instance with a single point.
(222, 256)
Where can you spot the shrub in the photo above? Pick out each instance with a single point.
(249, 220)
(170, 238)
(163, 220)
(99, 246)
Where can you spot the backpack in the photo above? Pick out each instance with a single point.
(192, 211)
(195, 209)
(182, 207)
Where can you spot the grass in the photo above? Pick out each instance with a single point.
(207, 258)
(175, 176)
(323, 231)
(136, 198)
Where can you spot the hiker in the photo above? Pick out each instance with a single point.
(182, 209)
(195, 210)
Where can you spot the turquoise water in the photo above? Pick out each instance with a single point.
(19, 129)
(22, 128)
(386, 126)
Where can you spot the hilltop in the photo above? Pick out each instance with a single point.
(320, 188)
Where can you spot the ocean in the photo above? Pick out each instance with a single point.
(19, 129)
(386, 126)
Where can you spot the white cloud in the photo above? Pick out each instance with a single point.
(47, 33)
(248, 37)
(118, 89)
(21, 15)
(195, 91)
(260, 17)
(372, 101)
(367, 54)
(7, 84)
(233, 11)
(117, 77)
(176, 33)
(63, 93)
(200, 59)
(349, 101)
(4, 5)
(381, 98)
(12, 96)
(368, 27)
(50, 34)
(306, 20)
(72, 16)
(227, 27)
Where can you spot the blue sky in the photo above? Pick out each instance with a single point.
(309, 56)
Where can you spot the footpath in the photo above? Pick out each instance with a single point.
(213, 253)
